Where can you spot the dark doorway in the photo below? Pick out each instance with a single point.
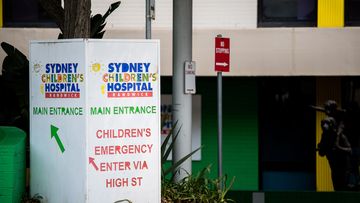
(287, 133)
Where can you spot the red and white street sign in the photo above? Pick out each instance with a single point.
(222, 54)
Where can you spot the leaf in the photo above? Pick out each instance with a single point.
(9, 49)
(14, 53)
(178, 163)
(102, 27)
(165, 151)
(168, 150)
(100, 35)
(204, 171)
(112, 8)
(96, 18)
(98, 21)
(61, 36)
(231, 184)
(15, 79)
(95, 22)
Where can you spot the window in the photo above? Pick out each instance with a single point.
(25, 13)
(352, 12)
(287, 13)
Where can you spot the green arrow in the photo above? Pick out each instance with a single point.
(54, 134)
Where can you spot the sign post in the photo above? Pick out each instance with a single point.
(95, 120)
(222, 64)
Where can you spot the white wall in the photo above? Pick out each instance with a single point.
(228, 14)
(254, 52)
(206, 13)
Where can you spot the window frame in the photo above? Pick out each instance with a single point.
(8, 23)
(261, 22)
(347, 22)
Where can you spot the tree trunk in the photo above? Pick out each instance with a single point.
(77, 19)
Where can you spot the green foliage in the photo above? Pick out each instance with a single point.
(165, 152)
(197, 188)
(98, 21)
(14, 88)
(35, 199)
(30, 200)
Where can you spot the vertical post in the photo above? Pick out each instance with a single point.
(182, 103)
(148, 20)
(219, 108)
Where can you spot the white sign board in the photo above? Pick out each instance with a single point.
(95, 120)
(190, 84)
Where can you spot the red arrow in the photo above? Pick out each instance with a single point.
(91, 161)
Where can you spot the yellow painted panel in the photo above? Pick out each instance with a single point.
(330, 13)
(1, 13)
(326, 88)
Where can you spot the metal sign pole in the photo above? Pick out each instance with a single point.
(149, 15)
(219, 101)
(222, 64)
(148, 20)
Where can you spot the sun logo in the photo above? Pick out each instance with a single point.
(37, 67)
(95, 67)
(42, 88)
(102, 89)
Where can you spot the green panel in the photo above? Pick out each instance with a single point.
(6, 199)
(7, 179)
(240, 128)
(5, 191)
(241, 132)
(11, 162)
(6, 162)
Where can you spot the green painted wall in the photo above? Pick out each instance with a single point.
(240, 128)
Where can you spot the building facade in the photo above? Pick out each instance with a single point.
(270, 134)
